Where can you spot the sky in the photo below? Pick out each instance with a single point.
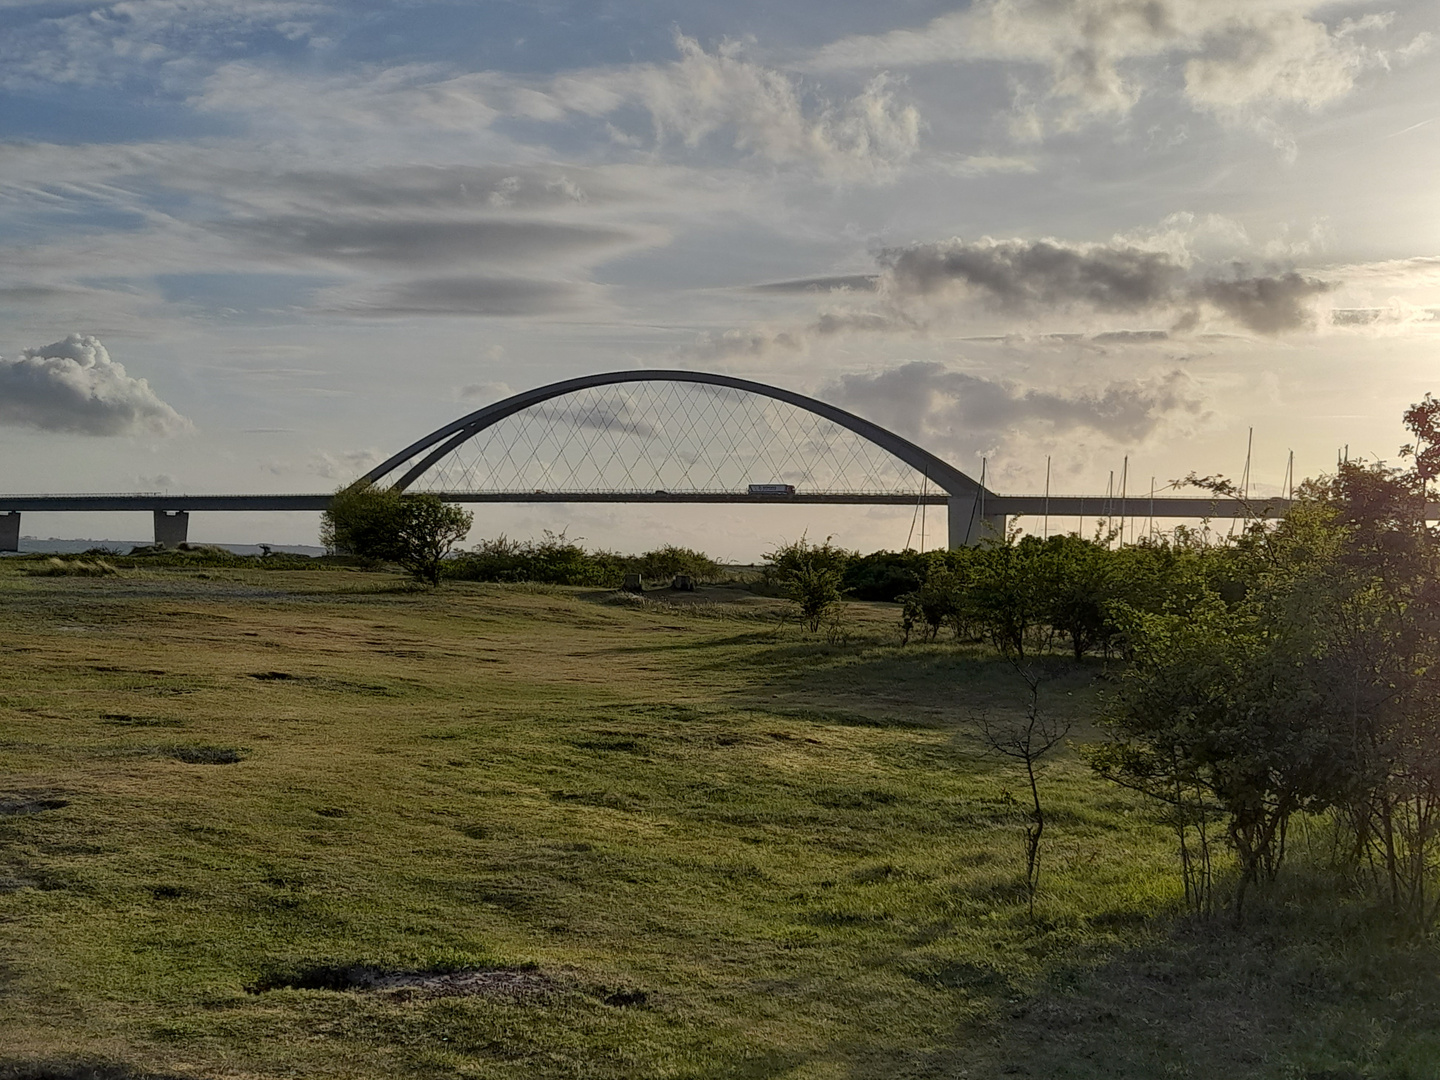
(260, 245)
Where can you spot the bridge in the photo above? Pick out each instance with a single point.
(665, 436)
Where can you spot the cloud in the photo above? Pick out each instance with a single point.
(432, 188)
(1267, 305)
(762, 111)
(1034, 276)
(410, 242)
(344, 465)
(940, 407)
(832, 283)
(1019, 275)
(468, 296)
(107, 42)
(73, 386)
(484, 391)
(615, 415)
(701, 100)
(1244, 56)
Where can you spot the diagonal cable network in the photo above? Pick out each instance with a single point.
(676, 437)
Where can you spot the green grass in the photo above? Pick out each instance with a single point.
(723, 848)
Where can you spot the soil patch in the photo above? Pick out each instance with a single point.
(76, 1070)
(22, 806)
(473, 982)
(205, 755)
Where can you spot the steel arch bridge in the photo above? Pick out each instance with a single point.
(658, 435)
(634, 436)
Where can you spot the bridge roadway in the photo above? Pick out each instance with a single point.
(171, 512)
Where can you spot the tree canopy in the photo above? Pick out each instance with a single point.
(415, 530)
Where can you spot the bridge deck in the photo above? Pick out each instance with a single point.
(991, 505)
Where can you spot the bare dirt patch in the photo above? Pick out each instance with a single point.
(473, 982)
(22, 805)
(76, 1070)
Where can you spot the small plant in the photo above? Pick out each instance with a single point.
(837, 626)
(1028, 741)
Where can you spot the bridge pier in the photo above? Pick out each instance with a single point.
(10, 531)
(971, 523)
(171, 527)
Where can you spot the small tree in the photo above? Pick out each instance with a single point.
(1028, 740)
(810, 575)
(415, 530)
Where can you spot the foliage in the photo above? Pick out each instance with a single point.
(1295, 673)
(665, 562)
(939, 601)
(415, 530)
(810, 575)
(553, 560)
(885, 575)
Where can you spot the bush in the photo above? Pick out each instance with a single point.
(810, 575)
(554, 560)
(666, 562)
(885, 575)
(414, 530)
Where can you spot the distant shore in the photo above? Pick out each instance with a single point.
(54, 545)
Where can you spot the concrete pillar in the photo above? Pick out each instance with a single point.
(971, 524)
(10, 531)
(171, 527)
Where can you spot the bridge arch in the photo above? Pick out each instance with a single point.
(966, 497)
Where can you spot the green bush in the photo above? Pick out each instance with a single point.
(553, 560)
(810, 575)
(664, 563)
(886, 575)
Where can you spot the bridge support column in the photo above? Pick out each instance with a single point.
(970, 524)
(171, 527)
(10, 531)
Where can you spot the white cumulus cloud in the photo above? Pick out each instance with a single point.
(73, 386)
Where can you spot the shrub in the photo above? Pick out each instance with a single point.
(414, 530)
(667, 561)
(71, 568)
(885, 575)
(553, 560)
(810, 575)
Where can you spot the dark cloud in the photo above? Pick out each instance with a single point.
(930, 402)
(424, 243)
(1267, 305)
(1023, 276)
(1017, 274)
(616, 415)
(73, 386)
(836, 283)
(470, 296)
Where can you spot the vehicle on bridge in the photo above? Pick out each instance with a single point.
(770, 489)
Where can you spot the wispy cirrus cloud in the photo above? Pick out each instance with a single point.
(94, 44)
(1241, 58)
(705, 102)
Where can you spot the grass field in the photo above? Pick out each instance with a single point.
(675, 840)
